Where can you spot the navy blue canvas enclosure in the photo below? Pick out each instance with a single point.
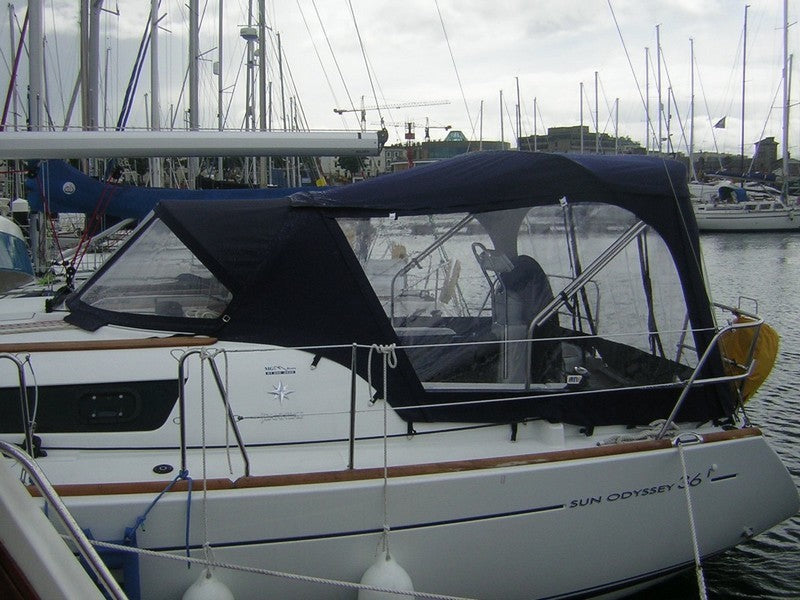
(473, 266)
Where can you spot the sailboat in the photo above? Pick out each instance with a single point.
(750, 206)
(312, 396)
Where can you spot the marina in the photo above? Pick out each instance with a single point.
(594, 427)
(247, 359)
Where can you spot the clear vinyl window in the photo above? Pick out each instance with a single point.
(549, 297)
(158, 275)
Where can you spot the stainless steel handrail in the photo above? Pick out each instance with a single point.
(77, 535)
(579, 282)
(23, 399)
(223, 393)
(712, 345)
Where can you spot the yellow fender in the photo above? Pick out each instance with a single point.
(735, 345)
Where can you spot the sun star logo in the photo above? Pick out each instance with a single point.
(281, 392)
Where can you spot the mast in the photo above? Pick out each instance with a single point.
(250, 35)
(581, 92)
(36, 72)
(220, 118)
(660, 101)
(280, 78)
(262, 86)
(155, 102)
(194, 94)
(93, 65)
(480, 129)
(502, 135)
(519, 118)
(744, 71)
(647, 100)
(596, 118)
(785, 133)
(535, 129)
(669, 119)
(692, 174)
(36, 231)
(12, 86)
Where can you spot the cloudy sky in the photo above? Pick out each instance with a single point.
(440, 61)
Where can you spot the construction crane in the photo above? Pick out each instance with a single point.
(413, 125)
(363, 110)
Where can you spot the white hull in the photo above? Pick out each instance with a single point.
(721, 219)
(472, 513)
(508, 535)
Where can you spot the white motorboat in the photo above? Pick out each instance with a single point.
(489, 370)
(15, 260)
(727, 206)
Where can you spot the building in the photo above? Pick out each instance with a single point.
(401, 156)
(578, 138)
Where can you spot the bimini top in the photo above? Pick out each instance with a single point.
(479, 181)
(652, 188)
(290, 271)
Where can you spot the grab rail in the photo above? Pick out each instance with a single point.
(756, 322)
(580, 282)
(85, 548)
(23, 400)
(223, 393)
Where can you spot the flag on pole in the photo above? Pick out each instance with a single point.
(720, 124)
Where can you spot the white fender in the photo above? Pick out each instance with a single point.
(385, 572)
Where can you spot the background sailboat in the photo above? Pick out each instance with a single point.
(749, 206)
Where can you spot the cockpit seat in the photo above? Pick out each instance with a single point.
(523, 292)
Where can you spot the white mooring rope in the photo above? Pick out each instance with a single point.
(698, 568)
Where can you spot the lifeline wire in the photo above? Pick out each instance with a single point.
(271, 573)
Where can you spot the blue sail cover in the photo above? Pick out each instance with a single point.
(60, 187)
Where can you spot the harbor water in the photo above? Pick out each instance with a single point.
(764, 267)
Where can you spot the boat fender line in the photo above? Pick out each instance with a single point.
(385, 572)
(183, 474)
(679, 442)
(389, 360)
